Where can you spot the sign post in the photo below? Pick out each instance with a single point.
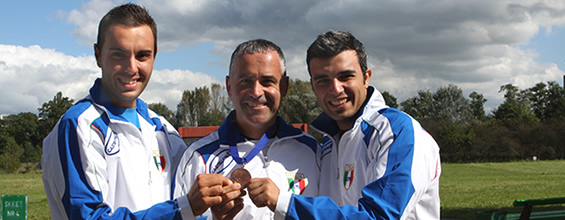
(14, 207)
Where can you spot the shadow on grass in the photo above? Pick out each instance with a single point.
(484, 213)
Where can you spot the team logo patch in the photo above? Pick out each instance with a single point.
(348, 175)
(113, 144)
(297, 182)
(159, 160)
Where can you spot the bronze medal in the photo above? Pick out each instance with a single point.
(241, 176)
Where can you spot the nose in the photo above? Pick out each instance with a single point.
(130, 66)
(257, 90)
(336, 87)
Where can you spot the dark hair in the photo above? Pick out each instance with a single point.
(257, 46)
(332, 43)
(130, 15)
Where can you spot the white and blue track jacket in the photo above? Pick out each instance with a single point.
(288, 159)
(385, 167)
(97, 165)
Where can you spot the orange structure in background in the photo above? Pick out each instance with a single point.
(198, 132)
(192, 134)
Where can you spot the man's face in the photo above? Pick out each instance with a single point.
(339, 86)
(126, 60)
(256, 87)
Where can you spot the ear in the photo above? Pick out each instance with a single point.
(368, 75)
(228, 85)
(312, 84)
(97, 56)
(284, 86)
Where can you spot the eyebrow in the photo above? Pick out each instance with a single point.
(339, 73)
(123, 50)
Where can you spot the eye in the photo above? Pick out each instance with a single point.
(118, 55)
(268, 82)
(322, 81)
(144, 56)
(346, 77)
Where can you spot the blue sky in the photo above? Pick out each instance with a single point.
(46, 46)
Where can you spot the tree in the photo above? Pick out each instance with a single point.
(515, 109)
(547, 100)
(163, 110)
(450, 104)
(10, 153)
(477, 106)
(218, 111)
(419, 107)
(23, 129)
(390, 100)
(193, 105)
(51, 111)
(300, 104)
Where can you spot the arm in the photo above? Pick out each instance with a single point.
(73, 159)
(202, 190)
(407, 187)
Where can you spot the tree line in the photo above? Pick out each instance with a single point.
(529, 122)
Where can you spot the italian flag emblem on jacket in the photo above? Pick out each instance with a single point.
(348, 175)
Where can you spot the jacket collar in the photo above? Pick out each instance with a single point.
(100, 97)
(230, 135)
(374, 101)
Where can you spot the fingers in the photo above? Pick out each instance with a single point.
(232, 202)
(206, 192)
(228, 209)
(263, 192)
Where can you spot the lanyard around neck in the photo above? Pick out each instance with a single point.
(258, 147)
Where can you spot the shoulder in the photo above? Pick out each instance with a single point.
(288, 133)
(205, 146)
(82, 113)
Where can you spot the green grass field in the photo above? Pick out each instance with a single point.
(465, 189)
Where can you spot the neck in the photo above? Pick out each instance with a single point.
(252, 132)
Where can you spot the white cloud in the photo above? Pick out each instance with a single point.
(167, 86)
(412, 44)
(33, 75)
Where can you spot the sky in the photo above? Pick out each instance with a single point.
(412, 45)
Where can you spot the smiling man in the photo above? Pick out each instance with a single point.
(376, 162)
(254, 146)
(110, 156)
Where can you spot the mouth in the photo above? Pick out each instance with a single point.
(339, 102)
(129, 83)
(255, 105)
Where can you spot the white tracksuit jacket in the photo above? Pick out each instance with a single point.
(98, 165)
(385, 167)
(289, 159)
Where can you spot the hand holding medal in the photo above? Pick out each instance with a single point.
(241, 175)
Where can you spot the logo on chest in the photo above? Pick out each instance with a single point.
(159, 160)
(113, 144)
(348, 175)
(297, 182)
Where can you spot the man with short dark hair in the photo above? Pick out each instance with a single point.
(376, 162)
(109, 156)
(254, 146)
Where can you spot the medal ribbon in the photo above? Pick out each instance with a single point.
(258, 147)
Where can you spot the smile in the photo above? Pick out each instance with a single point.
(256, 105)
(129, 82)
(339, 102)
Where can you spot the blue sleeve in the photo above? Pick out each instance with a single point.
(80, 201)
(384, 198)
(323, 207)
